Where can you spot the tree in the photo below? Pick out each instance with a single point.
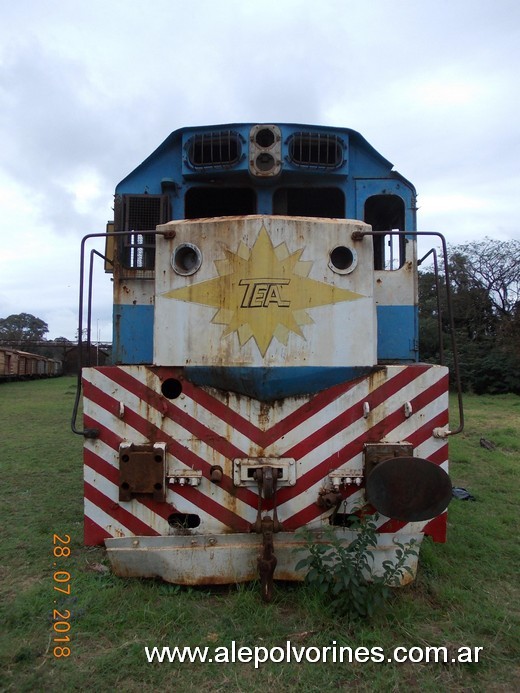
(487, 274)
(485, 284)
(491, 266)
(22, 328)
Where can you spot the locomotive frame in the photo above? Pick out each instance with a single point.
(266, 374)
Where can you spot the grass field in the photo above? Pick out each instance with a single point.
(467, 592)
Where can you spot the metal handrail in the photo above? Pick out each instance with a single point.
(438, 295)
(359, 235)
(90, 432)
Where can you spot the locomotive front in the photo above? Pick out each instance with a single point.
(265, 372)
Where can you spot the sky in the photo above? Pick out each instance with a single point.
(89, 89)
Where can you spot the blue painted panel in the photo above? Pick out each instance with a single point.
(385, 186)
(396, 333)
(133, 334)
(268, 384)
(361, 161)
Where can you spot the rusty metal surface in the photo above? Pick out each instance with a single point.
(267, 478)
(267, 560)
(329, 498)
(231, 558)
(409, 489)
(246, 470)
(142, 471)
(375, 453)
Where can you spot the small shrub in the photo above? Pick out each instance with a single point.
(344, 575)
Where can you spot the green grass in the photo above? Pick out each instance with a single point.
(466, 593)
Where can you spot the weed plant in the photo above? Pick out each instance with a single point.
(344, 574)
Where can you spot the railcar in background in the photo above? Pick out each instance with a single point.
(22, 365)
(266, 374)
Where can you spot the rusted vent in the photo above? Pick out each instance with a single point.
(316, 150)
(214, 150)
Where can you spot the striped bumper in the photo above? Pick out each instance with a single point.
(204, 427)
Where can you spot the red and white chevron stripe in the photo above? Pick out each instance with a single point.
(205, 427)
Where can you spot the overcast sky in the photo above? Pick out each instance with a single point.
(89, 88)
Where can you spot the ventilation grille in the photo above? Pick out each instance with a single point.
(213, 150)
(138, 214)
(316, 150)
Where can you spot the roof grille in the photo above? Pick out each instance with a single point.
(214, 150)
(316, 150)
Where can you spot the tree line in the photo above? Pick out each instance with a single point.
(18, 330)
(485, 287)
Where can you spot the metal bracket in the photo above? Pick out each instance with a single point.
(184, 477)
(142, 471)
(378, 452)
(244, 470)
(346, 476)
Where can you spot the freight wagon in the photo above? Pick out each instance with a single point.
(21, 365)
(266, 374)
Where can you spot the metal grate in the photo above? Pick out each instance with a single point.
(316, 150)
(214, 150)
(138, 214)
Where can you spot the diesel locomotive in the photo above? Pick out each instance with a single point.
(265, 373)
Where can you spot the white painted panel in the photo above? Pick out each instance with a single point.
(266, 294)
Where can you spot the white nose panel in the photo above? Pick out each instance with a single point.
(268, 291)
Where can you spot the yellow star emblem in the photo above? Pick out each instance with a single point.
(262, 292)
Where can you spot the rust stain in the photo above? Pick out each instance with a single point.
(230, 500)
(376, 378)
(264, 416)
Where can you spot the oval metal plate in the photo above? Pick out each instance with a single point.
(410, 489)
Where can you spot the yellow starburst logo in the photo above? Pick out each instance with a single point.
(263, 292)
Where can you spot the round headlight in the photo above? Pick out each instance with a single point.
(343, 260)
(186, 259)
